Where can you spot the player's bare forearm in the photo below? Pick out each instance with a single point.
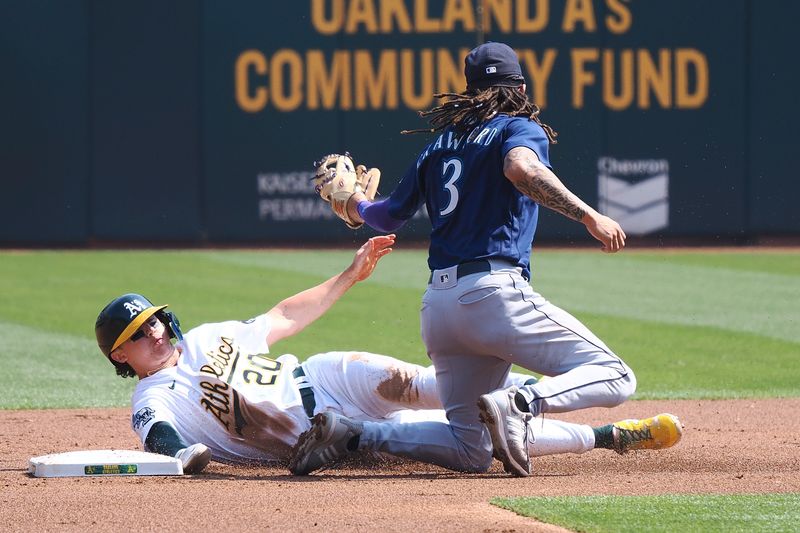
(293, 314)
(533, 179)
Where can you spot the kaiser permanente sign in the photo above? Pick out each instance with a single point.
(289, 79)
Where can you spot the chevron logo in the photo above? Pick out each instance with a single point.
(635, 193)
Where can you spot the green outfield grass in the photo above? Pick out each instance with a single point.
(668, 513)
(692, 325)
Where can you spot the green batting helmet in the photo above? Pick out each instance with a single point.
(122, 317)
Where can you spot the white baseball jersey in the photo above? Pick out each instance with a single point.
(226, 393)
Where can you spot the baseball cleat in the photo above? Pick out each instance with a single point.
(327, 441)
(194, 458)
(656, 433)
(508, 427)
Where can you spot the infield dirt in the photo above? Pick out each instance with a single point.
(742, 446)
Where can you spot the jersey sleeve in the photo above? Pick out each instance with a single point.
(147, 410)
(527, 133)
(407, 198)
(376, 215)
(250, 334)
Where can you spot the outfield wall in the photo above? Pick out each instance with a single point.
(198, 121)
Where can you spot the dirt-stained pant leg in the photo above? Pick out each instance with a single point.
(364, 386)
(367, 386)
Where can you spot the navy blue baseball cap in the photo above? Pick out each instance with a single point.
(492, 64)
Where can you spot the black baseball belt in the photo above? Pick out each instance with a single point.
(306, 391)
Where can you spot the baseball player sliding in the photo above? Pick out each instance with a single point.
(219, 370)
(482, 179)
(216, 392)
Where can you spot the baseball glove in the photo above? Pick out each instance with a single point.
(337, 178)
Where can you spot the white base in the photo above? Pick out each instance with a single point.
(98, 463)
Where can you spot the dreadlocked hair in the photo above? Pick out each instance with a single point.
(466, 110)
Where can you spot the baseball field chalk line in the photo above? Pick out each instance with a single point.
(98, 463)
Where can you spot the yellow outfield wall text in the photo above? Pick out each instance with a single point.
(329, 17)
(288, 80)
(619, 78)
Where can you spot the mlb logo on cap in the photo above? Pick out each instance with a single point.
(492, 64)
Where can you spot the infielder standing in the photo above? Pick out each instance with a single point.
(482, 180)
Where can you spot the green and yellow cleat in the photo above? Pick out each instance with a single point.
(656, 433)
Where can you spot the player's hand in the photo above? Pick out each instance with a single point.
(607, 231)
(368, 255)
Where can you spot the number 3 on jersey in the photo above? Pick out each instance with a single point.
(451, 171)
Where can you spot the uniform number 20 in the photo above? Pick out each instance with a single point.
(263, 370)
(451, 171)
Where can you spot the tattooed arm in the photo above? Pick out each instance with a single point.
(533, 179)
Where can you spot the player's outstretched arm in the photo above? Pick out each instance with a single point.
(532, 178)
(296, 312)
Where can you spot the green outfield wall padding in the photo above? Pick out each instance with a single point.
(197, 122)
